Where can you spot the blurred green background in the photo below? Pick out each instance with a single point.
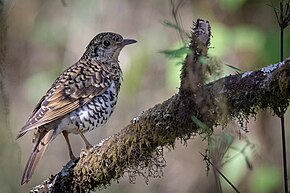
(45, 37)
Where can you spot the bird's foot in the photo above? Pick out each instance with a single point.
(72, 156)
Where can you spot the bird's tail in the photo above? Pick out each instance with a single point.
(42, 139)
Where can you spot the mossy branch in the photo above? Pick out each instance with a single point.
(138, 148)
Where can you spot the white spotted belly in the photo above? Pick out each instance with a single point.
(92, 115)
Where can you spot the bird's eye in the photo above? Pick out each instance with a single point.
(106, 43)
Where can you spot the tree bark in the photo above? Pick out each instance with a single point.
(197, 108)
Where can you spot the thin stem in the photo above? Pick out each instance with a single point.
(284, 154)
(220, 173)
(217, 180)
(281, 44)
(284, 151)
(229, 182)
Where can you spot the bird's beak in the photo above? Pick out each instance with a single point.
(128, 41)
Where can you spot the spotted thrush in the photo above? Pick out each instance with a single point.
(81, 99)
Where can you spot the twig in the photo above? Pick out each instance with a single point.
(220, 173)
(283, 18)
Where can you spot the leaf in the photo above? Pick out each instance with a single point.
(204, 129)
(172, 25)
(198, 122)
(234, 67)
(176, 53)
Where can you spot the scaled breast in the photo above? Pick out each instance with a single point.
(95, 113)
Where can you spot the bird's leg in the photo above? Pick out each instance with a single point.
(88, 145)
(71, 155)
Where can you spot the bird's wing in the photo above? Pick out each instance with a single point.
(75, 87)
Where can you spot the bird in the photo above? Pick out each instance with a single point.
(81, 99)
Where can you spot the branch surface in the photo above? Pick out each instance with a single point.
(138, 148)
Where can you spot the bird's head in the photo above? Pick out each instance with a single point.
(107, 45)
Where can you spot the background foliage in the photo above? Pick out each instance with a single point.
(45, 37)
